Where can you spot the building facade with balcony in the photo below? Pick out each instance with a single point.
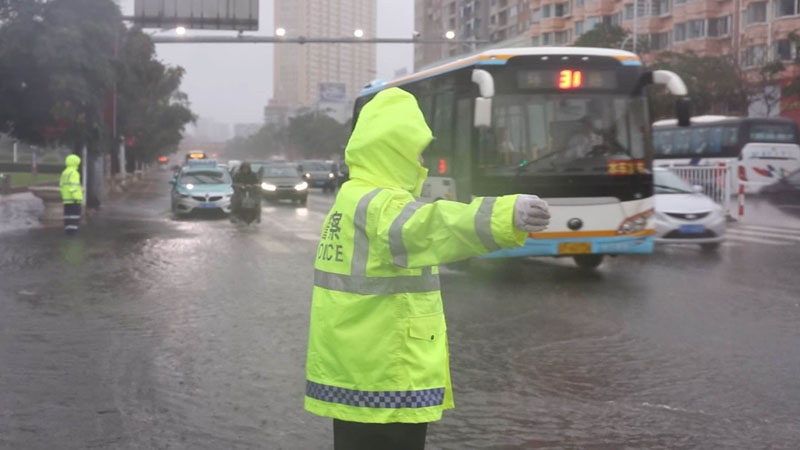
(754, 31)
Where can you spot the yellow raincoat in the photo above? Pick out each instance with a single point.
(377, 350)
(70, 182)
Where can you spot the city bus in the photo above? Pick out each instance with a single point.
(758, 151)
(568, 124)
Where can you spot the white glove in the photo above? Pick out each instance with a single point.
(531, 214)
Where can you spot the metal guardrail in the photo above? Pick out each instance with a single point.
(715, 181)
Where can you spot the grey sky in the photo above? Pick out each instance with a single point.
(232, 82)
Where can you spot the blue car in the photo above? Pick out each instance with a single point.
(201, 188)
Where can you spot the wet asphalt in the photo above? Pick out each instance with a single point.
(146, 332)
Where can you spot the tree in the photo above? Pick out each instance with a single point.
(764, 86)
(604, 35)
(151, 108)
(315, 135)
(716, 84)
(308, 136)
(270, 140)
(57, 68)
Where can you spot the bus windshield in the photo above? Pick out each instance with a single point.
(773, 132)
(563, 133)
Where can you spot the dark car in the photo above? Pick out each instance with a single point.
(319, 174)
(786, 192)
(283, 182)
(344, 173)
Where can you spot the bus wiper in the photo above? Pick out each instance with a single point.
(522, 167)
(671, 188)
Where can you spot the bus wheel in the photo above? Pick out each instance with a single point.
(588, 261)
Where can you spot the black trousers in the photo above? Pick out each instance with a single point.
(72, 217)
(378, 436)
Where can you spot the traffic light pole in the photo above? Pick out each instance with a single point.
(241, 39)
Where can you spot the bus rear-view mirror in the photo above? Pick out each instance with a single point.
(683, 111)
(483, 112)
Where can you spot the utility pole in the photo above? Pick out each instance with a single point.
(635, 23)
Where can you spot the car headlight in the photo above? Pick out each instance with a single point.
(307, 175)
(331, 176)
(301, 186)
(268, 187)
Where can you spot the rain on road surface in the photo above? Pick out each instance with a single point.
(149, 333)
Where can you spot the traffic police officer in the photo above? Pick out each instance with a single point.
(71, 194)
(377, 359)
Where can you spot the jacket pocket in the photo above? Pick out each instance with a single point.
(430, 327)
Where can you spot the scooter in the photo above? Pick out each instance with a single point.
(249, 209)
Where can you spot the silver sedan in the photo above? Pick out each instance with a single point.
(684, 215)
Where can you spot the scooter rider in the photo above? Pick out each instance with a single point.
(244, 180)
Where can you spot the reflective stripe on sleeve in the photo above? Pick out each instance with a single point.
(398, 248)
(358, 265)
(422, 398)
(363, 285)
(72, 217)
(483, 224)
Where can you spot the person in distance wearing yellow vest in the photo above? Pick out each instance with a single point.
(71, 194)
(377, 360)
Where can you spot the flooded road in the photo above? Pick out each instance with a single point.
(146, 332)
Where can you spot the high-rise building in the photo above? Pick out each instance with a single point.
(754, 31)
(319, 76)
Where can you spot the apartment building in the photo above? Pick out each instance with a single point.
(755, 31)
(304, 75)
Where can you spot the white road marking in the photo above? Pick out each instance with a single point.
(752, 239)
(764, 234)
(770, 229)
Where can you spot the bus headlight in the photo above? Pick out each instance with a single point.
(635, 224)
(301, 187)
(268, 187)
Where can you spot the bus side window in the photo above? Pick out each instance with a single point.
(730, 136)
(426, 105)
(662, 142)
(715, 140)
(699, 140)
(682, 140)
(442, 128)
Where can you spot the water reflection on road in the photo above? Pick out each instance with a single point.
(149, 332)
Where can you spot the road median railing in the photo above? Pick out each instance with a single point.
(716, 181)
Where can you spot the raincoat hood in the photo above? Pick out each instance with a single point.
(72, 161)
(388, 138)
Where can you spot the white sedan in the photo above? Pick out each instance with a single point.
(684, 215)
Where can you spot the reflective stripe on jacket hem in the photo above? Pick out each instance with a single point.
(422, 398)
(357, 284)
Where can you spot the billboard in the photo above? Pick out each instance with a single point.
(332, 92)
(239, 15)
